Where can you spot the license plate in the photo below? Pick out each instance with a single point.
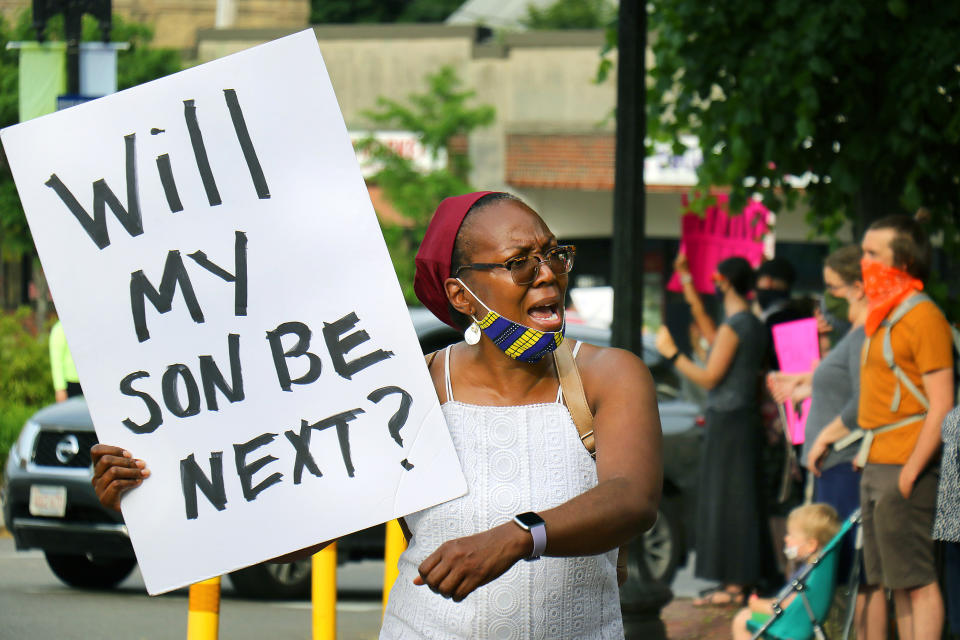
(48, 501)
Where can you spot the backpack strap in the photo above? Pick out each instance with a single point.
(573, 394)
(903, 380)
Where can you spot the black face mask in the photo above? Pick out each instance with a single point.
(768, 297)
(835, 311)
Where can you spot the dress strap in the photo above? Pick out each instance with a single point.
(446, 373)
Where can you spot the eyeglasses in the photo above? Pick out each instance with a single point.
(524, 269)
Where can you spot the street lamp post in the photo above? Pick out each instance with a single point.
(641, 597)
(72, 11)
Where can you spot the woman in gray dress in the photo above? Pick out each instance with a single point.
(730, 539)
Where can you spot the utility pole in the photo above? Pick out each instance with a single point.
(641, 597)
(72, 11)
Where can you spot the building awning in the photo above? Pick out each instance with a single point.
(585, 162)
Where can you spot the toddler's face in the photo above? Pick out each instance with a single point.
(797, 545)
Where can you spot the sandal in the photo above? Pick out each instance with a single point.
(720, 597)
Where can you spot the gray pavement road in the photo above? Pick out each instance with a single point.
(35, 605)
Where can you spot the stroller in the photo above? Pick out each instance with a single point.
(814, 589)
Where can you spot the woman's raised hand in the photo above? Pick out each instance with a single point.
(459, 566)
(115, 471)
(680, 264)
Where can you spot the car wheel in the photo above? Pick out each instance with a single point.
(273, 580)
(661, 545)
(88, 571)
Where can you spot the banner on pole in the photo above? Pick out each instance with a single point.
(232, 311)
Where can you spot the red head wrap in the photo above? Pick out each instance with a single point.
(436, 252)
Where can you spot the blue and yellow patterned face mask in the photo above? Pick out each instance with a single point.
(518, 341)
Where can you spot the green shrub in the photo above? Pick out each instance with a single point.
(12, 417)
(24, 362)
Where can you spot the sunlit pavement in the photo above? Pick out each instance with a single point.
(358, 607)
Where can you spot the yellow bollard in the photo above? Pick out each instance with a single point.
(393, 547)
(324, 581)
(203, 616)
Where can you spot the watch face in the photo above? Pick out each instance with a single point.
(529, 519)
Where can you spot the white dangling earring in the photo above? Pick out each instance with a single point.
(472, 334)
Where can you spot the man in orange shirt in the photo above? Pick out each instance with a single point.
(901, 410)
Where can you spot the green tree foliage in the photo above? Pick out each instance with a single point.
(379, 11)
(25, 375)
(437, 116)
(25, 383)
(862, 97)
(571, 14)
(429, 10)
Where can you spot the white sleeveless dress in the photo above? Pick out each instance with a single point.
(515, 459)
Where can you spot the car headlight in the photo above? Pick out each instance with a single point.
(23, 447)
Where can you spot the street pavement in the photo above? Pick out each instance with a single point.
(35, 605)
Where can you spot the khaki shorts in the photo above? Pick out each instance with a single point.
(897, 546)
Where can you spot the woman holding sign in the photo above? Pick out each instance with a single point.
(730, 526)
(530, 550)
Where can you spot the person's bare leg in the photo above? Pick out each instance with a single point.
(859, 615)
(872, 622)
(738, 628)
(903, 607)
(927, 601)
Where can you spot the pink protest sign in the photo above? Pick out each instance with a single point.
(717, 236)
(798, 349)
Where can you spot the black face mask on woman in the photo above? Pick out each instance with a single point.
(768, 297)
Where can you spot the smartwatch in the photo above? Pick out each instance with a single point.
(533, 523)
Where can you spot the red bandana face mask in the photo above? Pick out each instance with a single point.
(886, 287)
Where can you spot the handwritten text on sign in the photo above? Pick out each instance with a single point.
(233, 312)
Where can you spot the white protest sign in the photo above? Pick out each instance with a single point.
(233, 312)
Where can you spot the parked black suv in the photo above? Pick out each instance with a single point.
(49, 503)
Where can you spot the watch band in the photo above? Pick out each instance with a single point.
(539, 533)
(533, 523)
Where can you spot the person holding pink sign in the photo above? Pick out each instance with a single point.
(731, 530)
